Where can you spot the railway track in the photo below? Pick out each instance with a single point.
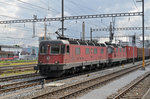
(135, 90)
(18, 68)
(19, 85)
(74, 90)
(18, 77)
(30, 83)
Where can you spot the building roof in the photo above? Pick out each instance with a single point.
(8, 46)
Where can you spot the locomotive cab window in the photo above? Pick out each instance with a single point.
(62, 49)
(110, 50)
(55, 49)
(68, 49)
(43, 49)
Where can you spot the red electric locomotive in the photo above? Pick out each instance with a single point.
(64, 56)
(116, 54)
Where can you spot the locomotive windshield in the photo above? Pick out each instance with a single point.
(43, 49)
(52, 49)
(57, 49)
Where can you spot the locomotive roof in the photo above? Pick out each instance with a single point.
(114, 45)
(70, 41)
(54, 42)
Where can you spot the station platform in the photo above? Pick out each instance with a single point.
(147, 95)
(113, 87)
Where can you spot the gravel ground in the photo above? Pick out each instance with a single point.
(138, 90)
(36, 90)
(114, 86)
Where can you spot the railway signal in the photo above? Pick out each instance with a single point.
(133, 43)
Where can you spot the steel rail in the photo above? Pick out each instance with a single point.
(16, 66)
(15, 86)
(18, 77)
(126, 90)
(75, 89)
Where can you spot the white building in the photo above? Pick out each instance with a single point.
(10, 48)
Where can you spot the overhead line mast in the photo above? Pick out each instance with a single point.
(143, 25)
(72, 17)
(62, 18)
(143, 65)
(120, 29)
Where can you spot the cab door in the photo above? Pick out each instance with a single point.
(110, 51)
(68, 57)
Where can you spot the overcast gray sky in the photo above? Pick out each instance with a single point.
(21, 9)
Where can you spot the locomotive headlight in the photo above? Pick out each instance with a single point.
(40, 62)
(56, 62)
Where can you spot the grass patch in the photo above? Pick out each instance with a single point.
(18, 73)
(16, 61)
(19, 63)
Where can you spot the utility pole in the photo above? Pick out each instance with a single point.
(83, 31)
(111, 35)
(133, 44)
(62, 18)
(33, 30)
(45, 29)
(91, 33)
(35, 18)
